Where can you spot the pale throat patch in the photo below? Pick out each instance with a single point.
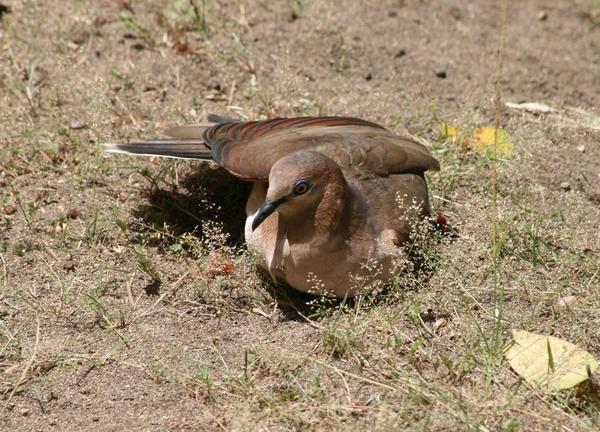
(268, 242)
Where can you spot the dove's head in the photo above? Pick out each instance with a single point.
(299, 184)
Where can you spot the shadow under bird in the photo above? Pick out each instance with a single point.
(333, 198)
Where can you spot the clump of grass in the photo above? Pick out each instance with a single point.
(185, 15)
(591, 9)
(146, 265)
(296, 8)
(123, 77)
(129, 21)
(340, 343)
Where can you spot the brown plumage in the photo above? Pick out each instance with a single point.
(330, 198)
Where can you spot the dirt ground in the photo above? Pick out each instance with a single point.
(127, 300)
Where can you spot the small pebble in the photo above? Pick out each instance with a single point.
(542, 16)
(72, 45)
(566, 186)
(442, 219)
(428, 315)
(123, 197)
(369, 76)
(439, 323)
(567, 302)
(24, 412)
(441, 74)
(78, 125)
(400, 53)
(69, 265)
(73, 213)
(581, 148)
(10, 209)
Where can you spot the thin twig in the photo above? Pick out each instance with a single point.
(499, 296)
(29, 364)
(20, 204)
(129, 292)
(150, 308)
(231, 93)
(355, 376)
(4, 278)
(337, 371)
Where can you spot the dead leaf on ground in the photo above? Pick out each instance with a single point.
(534, 107)
(481, 140)
(549, 363)
(488, 137)
(569, 117)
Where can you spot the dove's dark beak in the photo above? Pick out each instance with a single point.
(264, 211)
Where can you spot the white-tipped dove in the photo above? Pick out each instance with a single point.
(333, 198)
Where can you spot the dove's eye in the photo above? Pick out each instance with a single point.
(302, 186)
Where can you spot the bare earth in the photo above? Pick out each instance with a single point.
(127, 300)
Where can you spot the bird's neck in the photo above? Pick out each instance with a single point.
(327, 220)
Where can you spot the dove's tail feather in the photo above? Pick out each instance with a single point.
(171, 148)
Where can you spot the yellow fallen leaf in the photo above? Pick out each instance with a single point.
(480, 140)
(548, 362)
(449, 131)
(486, 138)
